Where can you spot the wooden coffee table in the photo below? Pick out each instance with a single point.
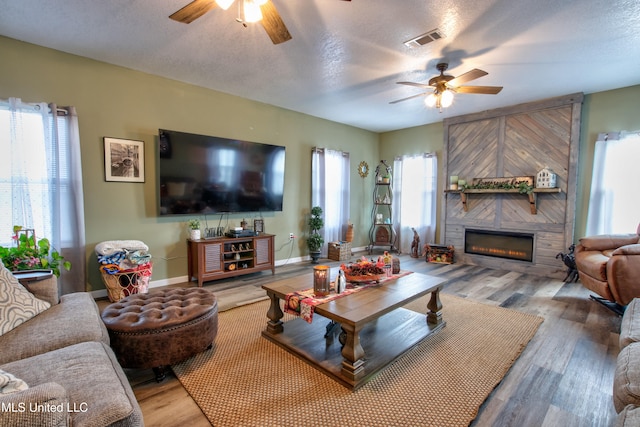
(376, 329)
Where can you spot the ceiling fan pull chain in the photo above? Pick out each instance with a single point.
(240, 17)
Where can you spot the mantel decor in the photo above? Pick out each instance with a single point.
(123, 160)
(524, 184)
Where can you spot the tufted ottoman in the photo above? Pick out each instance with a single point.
(161, 328)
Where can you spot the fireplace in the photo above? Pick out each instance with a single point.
(500, 244)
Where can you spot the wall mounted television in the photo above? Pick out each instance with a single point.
(201, 174)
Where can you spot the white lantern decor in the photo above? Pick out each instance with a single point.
(546, 178)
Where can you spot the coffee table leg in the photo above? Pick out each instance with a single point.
(274, 325)
(353, 363)
(434, 316)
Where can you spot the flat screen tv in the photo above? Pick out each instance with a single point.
(201, 174)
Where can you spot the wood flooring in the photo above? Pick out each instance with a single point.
(563, 378)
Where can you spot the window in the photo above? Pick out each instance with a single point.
(613, 206)
(41, 179)
(414, 202)
(330, 190)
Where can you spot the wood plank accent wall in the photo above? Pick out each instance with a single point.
(506, 142)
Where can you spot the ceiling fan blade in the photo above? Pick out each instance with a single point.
(488, 90)
(466, 77)
(422, 85)
(410, 97)
(273, 24)
(193, 11)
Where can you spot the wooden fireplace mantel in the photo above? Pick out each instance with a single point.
(533, 197)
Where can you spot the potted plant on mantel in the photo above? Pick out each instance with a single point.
(194, 229)
(315, 240)
(32, 254)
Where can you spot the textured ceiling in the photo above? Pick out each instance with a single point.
(345, 57)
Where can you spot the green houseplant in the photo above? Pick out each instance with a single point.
(315, 240)
(29, 254)
(194, 229)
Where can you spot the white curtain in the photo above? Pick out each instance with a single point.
(614, 207)
(414, 198)
(41, 180)
(330, 183)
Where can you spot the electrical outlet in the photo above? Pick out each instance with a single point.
(291, 236)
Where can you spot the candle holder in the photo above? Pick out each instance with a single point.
(321, 284)
(453, 182)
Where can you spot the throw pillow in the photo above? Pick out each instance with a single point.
(17, 305)
(10, 384)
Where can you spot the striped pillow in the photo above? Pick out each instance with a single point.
(17, 305)
(10, 384)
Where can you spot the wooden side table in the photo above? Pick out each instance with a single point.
(28, 276)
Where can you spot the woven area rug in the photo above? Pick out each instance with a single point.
(246, 380)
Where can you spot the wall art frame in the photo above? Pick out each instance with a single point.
(258, 226)
(123, 160)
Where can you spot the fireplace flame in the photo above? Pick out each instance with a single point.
(499, 252)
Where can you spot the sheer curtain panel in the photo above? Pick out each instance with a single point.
(41, 180)
(614, 207)
(330, 182)
(414, 203)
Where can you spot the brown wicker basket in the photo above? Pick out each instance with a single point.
(120, 285)
(339, 251)
(364, 279)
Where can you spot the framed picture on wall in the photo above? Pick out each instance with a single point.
(123, 160)
(258, 226)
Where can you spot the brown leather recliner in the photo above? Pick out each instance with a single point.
(609, 265)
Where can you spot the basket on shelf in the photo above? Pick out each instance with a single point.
(127, 282)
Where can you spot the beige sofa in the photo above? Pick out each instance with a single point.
(626, 382)
(60, 367)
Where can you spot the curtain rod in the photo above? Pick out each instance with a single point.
(425, 155)
(321, 150)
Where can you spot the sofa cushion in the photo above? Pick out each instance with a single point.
(10, 384)
(607, 241)
(76, 319)
(97, 387)
(627, 250)
(17, 305)
(592, 263)
(626, 381)
(630, 326)
(23, 409)
(629, 417)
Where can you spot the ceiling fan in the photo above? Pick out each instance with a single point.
(444, 86)
(254, 10)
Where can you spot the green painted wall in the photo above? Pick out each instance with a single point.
(118, 102)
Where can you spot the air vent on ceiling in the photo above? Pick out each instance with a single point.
(422, 39)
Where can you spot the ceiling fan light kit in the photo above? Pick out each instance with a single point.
(444, 87)
(252, 11)
(224, 4)
(263, 11)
